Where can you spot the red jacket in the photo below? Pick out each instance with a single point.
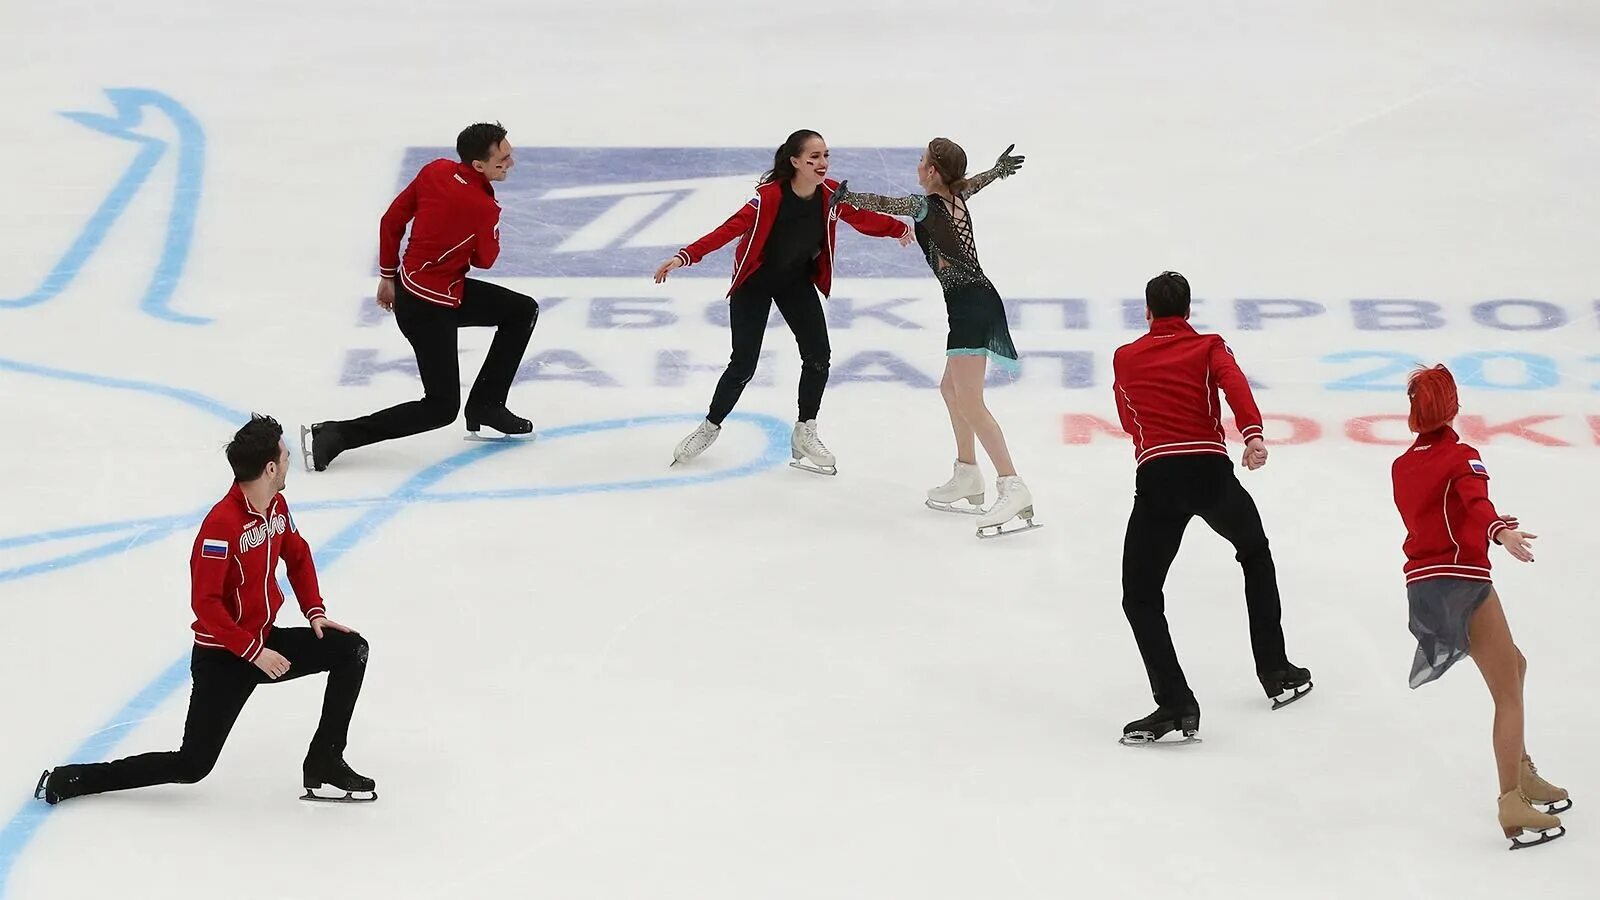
(753, 222)
(1442, 491)
(1166, 390)
(232, 572)
(455, 224)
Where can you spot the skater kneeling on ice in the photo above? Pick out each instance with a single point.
(235, 596)
(1441, 488)
(1166, 394)
(454, 224)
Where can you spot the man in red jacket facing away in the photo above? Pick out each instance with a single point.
(1166, 393)
(455, 226)
(235, 595)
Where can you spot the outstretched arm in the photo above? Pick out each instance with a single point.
(912, 205)
(737, 224)
(1006, 166)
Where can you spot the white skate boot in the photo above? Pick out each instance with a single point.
(702, 437)
(1013, 503)
(966, 483)
(804, 444)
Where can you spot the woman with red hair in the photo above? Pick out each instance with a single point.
(1441, 488)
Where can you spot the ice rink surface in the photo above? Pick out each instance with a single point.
(595, 677)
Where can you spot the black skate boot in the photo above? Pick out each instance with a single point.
(1151, 728)
(331, 780)
(319, 444)
(1285, 686)
(510, 425)
(57, 784)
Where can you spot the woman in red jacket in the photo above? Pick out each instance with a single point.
(1441, 488)
(784, 256)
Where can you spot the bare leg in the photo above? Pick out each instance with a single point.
(1502, 666)
(1522, 685)
(966, 448)
(966, 375)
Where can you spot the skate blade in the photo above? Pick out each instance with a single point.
(1555, 807)
(813, 468)
(952, 508)
(38, 789)
(1291, 695)
(496, 437)
(1149, 739)
(1536, 837)
(327, 793)
(994, 531)
(305, 448)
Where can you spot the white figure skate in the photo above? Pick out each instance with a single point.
(696, 443)
(1013, 503)
(966, 483)
(808, 452)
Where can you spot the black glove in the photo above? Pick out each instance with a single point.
(1007, 163)
(838, 195)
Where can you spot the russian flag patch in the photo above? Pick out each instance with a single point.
(214, 549)
(1478, 466)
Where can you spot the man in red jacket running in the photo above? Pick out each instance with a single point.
(1166, 394)
(235, 596)
(455, 226)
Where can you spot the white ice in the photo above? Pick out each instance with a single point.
(776, 685)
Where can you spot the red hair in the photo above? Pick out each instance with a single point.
(1433, 399)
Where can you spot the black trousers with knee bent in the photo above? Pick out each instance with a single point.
(431, 329)
(1169, 492)
(222, 684)
(797, 301)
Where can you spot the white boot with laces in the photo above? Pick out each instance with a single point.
(808, 451)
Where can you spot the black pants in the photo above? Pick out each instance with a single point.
(1170, 491)
(431, 329)
(222, 684)
(749, 308)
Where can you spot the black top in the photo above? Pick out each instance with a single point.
(796, 236)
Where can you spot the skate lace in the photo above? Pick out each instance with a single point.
(809, 435)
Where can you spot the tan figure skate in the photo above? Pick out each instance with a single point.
(1542, 793)
(1519, 820)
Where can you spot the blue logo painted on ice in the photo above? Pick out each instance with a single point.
(590, 212)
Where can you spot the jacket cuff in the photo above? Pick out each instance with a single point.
(388, 271)
(316, 611)
(1251, 432)
(683, 256)
(1495, 527)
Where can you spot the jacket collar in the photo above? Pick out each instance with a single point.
(238, 497)
(1171, 325)
(1441, 435)
(774, 189)
(472, 176)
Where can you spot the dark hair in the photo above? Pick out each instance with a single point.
(950, 161)
(1167, 294)
(475, 142)
(782, 169)
(253, 446)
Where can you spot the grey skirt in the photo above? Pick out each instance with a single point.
(1441, 609)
